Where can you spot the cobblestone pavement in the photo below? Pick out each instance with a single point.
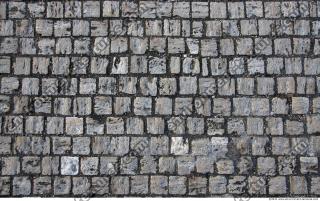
(119, 98)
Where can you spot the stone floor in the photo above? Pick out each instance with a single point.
(147, 98)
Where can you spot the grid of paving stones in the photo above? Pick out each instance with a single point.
(147, 98)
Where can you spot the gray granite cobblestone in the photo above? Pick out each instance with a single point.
(159, 98)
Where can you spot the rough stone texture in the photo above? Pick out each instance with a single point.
(159, 98)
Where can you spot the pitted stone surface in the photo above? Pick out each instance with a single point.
(159, 98)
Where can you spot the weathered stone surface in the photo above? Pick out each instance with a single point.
(62, 185)
(21, 186)
(159, 98)
(70, 165)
